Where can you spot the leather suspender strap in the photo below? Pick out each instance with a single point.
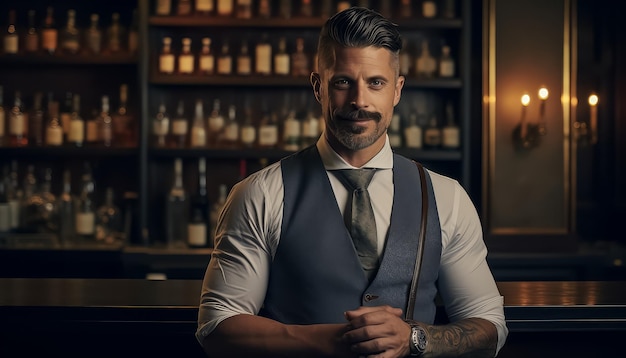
(420, 245)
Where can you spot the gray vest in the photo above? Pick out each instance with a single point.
(316, 274)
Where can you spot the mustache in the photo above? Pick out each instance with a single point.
(358, 114)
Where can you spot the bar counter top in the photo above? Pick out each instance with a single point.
(130, 306)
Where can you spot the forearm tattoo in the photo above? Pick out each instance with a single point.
(473, 337)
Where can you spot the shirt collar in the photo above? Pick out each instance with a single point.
(332, 161)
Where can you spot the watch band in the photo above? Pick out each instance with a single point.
(418, 340)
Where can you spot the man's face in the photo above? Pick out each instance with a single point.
(358, 93)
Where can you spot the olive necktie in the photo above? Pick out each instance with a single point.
(359, 217)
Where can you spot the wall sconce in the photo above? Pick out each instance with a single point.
(527, 135)
(587, 133)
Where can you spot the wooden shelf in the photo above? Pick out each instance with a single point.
(66, 152)
(59, 59)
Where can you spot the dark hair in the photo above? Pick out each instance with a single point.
(357, 27)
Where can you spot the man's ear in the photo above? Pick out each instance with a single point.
(316, 83)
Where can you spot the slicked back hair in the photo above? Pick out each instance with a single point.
(357, 27)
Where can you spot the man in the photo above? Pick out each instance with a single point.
(285, 279)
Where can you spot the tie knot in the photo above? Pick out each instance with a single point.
(356, 178)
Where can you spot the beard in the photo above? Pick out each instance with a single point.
(351, 134)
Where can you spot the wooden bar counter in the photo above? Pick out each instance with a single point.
(125, 317)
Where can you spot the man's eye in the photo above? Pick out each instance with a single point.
(377, 83)
(342, 83)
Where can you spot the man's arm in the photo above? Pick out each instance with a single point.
(254, 336)
(470, 337)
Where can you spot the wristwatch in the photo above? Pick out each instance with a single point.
(418, 341)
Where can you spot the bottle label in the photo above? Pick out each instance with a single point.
(292, 128)
(244, 65)
(16, 124)
(160, 128)
(248, 135)
(71, 45)
(31, 43)
(446, 69)
(268, 135)
(224, 65)
(197, 234)
(76, 133)
(225, 7)
(413, 137)
(66, 118)
(92, 131)
(204, 5)
(166, 63)
(231, 133)
(11, 44)
(395, 140)
(432, 137)
(185, 64)
(164, 7)
(49, 39)
(14, 205)
(451, 137)
(281, 65)
(263, 56)
(311, 128)
(429, 9)
(206, 64)
(85, 223)
(54, 136)
(198, 137)
(216, 123)
(179, 127)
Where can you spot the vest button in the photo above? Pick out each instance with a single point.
(369, 297)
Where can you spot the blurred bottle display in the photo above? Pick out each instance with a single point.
(198, 226)
(109, 220)
(176, 210)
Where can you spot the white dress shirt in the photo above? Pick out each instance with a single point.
(249, 229)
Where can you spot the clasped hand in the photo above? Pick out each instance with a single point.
(377, 332)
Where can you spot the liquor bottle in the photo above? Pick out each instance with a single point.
(30, 188)
(180, 128)
(54, 131)
(406, 60)
(264, 9)
(105, 124)
(124, 123)
(206, 61)
(413, 133)
(342, 5)
(429, 9)
(3, 124)
(160, 127)
(176, 210)
(229, 137)
(284, 9)
(166, 57)
(225, 60)
(116, 34)
(300, 60)
(281, 58)
(216, 211)
(244, 9)
(133, 33)
(5, 208)
(215, 124)
(432, 134)
(49, 33)
(446, 63)
(70, 36)
(263, 56)
(66, 114)
(31, 40)
(36, 122)
(76, 133)
(268, 130)
(93, 35)
(85, 218)
(11, 38)
(108, 220)
(186, 59)
(40, 210)
(425, 65)
(405, 10)
(183, 7)
(204, 7)
(310, 129)
(198, 137)
(15, 196)
(199, 210)
(450, 132)
(67, 204)
(394, 133)
(292, 132)
(306, 8)
(248, 130)
(163, 7)
(17, 123)
(244, 61)
(225, 8)
(326, 9)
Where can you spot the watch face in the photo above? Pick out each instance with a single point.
(418, 340)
